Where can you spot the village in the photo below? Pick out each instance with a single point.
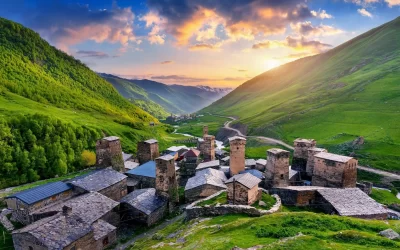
(85, 212)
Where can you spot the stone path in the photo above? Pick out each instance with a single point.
(150, 232)
(276, 141)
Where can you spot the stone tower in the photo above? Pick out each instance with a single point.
(237, 154)
(147, 151)
(310, 161)
(277, 169)
(109, 153)
(209, 148)
(166, 183)
(300, 154)
(205, 130)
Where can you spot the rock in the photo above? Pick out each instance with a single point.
(181, 240)
(262, 204)
(390, 234)
(358, 141)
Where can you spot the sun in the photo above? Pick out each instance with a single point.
(271, 63)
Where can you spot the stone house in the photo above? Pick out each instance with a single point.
(250, 163)
(143, 206)
(225, 161)
(208, 148)
(209, 164)
(147, 151)
(106, 181)
(237, 154)
(220, 153)
(332, 170)
(261, 164)
(143, 176)
(300, 154)
(277, 169)
(243, 189)
(189, 163)
(205, 183)
(24, 203)
(351, 202)
(310, 160)
(296, 195)
(109, 153)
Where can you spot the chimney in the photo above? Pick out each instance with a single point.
(66, 210)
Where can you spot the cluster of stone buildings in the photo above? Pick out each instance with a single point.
(85, 212)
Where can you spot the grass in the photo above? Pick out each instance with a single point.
(219, 199)
(331, 102)
(195, 126)
(320, 231)
(5, 239)
(269, 201)
(384, 196)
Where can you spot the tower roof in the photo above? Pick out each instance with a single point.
(234, 138)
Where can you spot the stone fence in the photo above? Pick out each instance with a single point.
(194, 211)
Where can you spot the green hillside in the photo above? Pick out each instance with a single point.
(53, 107)
(352, 90)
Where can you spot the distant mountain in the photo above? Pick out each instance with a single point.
(352, 90)
(176, 99)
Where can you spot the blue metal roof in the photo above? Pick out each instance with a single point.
(148, 169)
(39, 193)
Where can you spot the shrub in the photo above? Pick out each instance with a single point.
(88, 158)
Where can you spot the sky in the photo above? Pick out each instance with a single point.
(196, 42)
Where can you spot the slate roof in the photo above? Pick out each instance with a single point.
(262, 162)
(192, 153)
(351, 201)
(126, 156)
(166, 157)
(254, 172)
(247, 180)
(101, 228)
(42, 192)
(91, 206)
(249, 162)
(130, 165)
(208, 176)
(151, 141)
(208, 164)
(276, 150)
(302, 188)
(236, 138)
(220, 151)
(111, 138)
(304, 140)
(333, 157)
(98, 179)
(58, 231)
(144, 200)
(148, 169)
(226, 158)
(176, 148)
(317, 149)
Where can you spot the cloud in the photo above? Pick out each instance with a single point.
(204, 46)
(156, 23)
(166, 62)
(392, 3)
(65, 25)
(364, 12)
(312, 46)
(198, 21)
(321, 14)
(295, 56)
(364, 3)
(307, 29)
(90, 53)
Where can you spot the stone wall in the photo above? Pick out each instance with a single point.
(166, 182)
(157, 215)
(237, 156)
(328, 173)
(147, 151)
(109, 153)
(201, 192)
(277, 169)
(141, 182)
(292, 197)
(209, 148)
(194, 211)
(116, 191)
(300, 154)
(310, 160)
(136, 216)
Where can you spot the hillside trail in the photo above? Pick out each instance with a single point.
(227, 125)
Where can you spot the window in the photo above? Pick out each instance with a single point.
(282, 176)
(105, 241)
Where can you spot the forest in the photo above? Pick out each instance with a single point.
(37, 147)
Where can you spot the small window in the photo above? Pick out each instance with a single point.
(237, 148)
(282, 176)
(105, 241)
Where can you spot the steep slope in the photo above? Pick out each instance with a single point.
(352, 90)
(53, 107)
(177, 99)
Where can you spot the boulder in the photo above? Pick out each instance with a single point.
(390, 234)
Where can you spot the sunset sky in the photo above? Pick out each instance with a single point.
(196, 42)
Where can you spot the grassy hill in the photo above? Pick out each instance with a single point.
(352, 90)
(177, 99)
(53, 107)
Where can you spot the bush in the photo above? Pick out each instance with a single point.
(88, 158)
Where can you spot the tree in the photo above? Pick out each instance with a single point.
(88, 158)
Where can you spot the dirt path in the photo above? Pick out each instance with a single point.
(276, 141)
(150, 232)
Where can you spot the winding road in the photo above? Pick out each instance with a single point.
(227, 125)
